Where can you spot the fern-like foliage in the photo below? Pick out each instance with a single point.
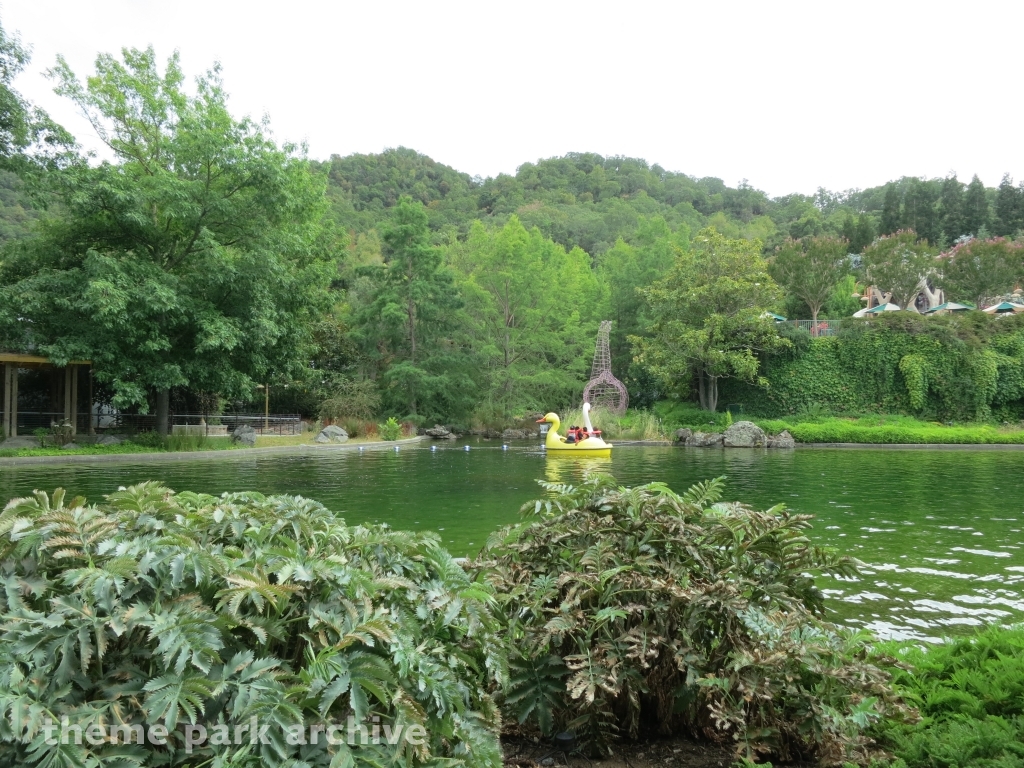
(161, 608)
(631, 606)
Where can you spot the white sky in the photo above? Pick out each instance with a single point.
(789, 95)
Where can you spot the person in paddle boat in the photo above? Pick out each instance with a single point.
(584, 439)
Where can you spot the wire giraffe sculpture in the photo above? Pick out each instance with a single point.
(604, 390)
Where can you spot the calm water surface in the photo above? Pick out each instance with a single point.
(940, 531)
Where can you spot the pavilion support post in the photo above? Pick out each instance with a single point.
(74, 399)
(92, 426)
(7, 400)
(67, 393)
(13, 410)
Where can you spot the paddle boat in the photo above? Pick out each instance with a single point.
(583, 440)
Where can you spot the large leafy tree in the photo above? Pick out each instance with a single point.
(898, 263)
(533, 306)
(27, 135)
(810, 268)
(195, 259)
(708, 316)
(979, 269)
(408, 328)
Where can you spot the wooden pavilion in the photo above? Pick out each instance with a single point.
(13, 362)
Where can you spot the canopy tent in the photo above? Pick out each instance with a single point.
(950, 306)
(877, 310)
(1004, 307)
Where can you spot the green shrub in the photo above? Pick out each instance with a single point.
(970, 693)
(390, 429)
(155, 607)
(351, 400)
(631, 606)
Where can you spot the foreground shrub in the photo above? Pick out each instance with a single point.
(970, 692)
(633, 609)
(175, 609)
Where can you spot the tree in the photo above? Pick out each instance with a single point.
(919, 209)
(406, 328)
(898, 263)
(976, 215)
(951, 206)
(865, 234)
(810, 268)
(891, 216)
(534, 308)
(197, 259)
(1009, 213)
(708, 316)
(27, 135)
(980, 269)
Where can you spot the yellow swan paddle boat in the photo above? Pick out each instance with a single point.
(579, 442)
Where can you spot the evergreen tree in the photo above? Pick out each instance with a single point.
(1009, 201)
(865, 235)
(951, 205)
(408, 327)
(919, 210)
(849, 231)
(976, 216)
(891, 217)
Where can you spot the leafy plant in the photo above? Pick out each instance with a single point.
(161, 608)
(637, 607)
(970, 692)
(390, 429)
(351, 400)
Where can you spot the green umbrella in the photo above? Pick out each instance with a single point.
(950, 306)
(1004, 306)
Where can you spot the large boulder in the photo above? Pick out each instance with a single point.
(108, 440)
(21, 441)
(782, 440)
(744, 434)
(245, 435)
(516, 434)
(682, 435)
(332, 434)
(704, 440)
(439, 432)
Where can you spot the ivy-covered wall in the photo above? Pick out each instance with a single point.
(961, 367)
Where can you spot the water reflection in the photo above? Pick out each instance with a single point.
(940, 531)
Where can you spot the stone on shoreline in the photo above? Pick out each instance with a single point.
(245, 435)
(782, 440)
(744, 434)
(331, 434)
(704, 440)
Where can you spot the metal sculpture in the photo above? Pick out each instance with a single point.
(604, 390)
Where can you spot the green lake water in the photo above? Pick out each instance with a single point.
(940, 531)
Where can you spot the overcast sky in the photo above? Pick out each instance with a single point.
(789, 95)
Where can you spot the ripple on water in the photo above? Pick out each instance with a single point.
(914, 508)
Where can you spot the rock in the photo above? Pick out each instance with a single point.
(245, 435)
(704, 440)
(439, 432)
(108, 440)
(491, 433)
(515, 434)
(21, 441)
(332, 434)
(70, 447)
(745, 434)
(682, 435)
(782, 440)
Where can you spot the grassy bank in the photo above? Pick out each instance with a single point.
(173, 444)
(854, 428)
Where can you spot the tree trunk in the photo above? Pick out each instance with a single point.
(712, 393)
(163, 407)
(814, 320)
(707, 387)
